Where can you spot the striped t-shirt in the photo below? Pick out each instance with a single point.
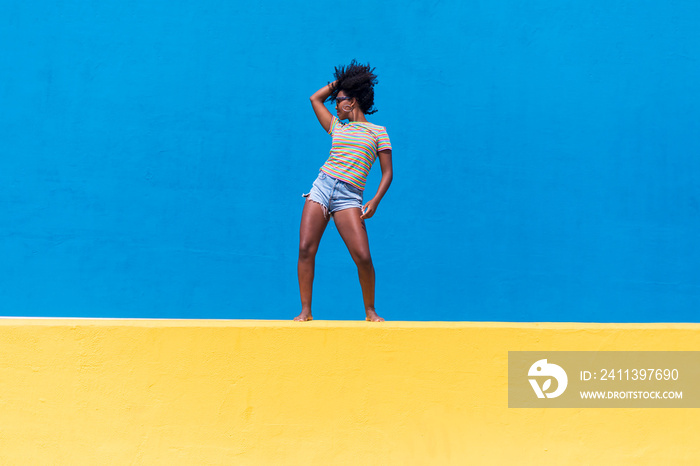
(354, 149)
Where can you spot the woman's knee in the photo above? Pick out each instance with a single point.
(362, 259)
(307, 250)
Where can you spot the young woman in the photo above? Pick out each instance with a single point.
(338, 190)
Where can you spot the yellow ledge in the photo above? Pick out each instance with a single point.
(145, 391)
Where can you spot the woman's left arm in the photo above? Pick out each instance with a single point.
(387, 175)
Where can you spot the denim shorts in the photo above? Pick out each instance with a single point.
(334, 194)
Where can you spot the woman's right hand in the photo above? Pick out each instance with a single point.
(318, 100)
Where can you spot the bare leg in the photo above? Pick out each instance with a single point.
(352, 229)
(313, 224)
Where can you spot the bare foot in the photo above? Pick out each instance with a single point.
(304, 316)
(372, 316)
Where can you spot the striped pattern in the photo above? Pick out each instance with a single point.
(354, 149)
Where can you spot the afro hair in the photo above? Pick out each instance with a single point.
(356, 81)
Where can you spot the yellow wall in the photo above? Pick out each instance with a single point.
(328, 393)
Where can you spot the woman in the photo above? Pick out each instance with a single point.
(338, 190)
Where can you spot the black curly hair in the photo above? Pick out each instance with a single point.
(356, 81)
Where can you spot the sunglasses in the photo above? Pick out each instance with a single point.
(340, 99)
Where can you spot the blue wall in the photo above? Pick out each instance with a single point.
(547, 158)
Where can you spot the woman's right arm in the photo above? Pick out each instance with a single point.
(317, 102)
